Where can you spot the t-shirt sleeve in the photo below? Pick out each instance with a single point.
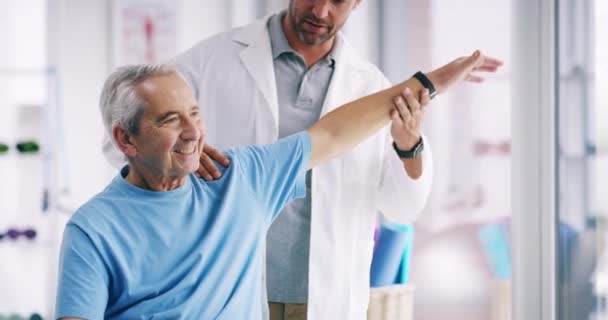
(277, 171)
(82, 291)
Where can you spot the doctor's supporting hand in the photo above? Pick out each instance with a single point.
(406, 118)
(207, 169)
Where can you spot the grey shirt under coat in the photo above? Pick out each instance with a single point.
(301, 93)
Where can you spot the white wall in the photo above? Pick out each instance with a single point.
(22, 105)
(78, 48)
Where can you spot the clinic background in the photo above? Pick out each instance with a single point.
(55, 55)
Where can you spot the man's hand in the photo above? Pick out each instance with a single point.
(462, 69)
(407, 118)
(207, 170)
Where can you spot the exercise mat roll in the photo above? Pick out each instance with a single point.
(388, 255)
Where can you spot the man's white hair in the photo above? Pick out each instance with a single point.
(120, 104)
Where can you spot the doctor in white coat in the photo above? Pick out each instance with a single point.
(276, 76)
(235, 80)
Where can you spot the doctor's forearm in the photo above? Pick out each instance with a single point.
(401, 198)
(350, 124)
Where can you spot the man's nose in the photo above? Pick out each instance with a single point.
(321, 8)
(192, 129)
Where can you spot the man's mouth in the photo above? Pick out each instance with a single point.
(314, 26)
(185, 150)
(318, 25)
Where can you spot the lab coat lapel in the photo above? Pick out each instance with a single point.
(346, 71)
(257, 59)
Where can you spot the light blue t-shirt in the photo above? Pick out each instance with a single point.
(190, 253)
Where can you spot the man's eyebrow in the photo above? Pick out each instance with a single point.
(165, 115)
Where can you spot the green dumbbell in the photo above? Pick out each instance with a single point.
(35, 316)
(28, 147)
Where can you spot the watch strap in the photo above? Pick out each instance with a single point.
(424, 80)
(412, 153)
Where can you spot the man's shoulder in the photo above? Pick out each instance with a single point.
(102, 207)
(277, 150)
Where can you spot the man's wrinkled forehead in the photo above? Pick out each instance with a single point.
(167, 91)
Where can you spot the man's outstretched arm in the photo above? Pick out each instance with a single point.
(350, 124)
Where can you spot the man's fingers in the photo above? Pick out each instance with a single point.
(203, 173)
(396, 117)
(487, 68)
(412, 101)
(489, 61)
(208, 166)
(475, 60)
(425, 98)
(476, 79)
(401, 106)
(488, 64)
(216, 155)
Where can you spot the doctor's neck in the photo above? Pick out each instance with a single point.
(311, 52)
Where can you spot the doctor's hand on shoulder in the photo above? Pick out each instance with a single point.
(207, 169)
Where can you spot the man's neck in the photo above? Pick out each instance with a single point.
(150, 182)
(311, 53)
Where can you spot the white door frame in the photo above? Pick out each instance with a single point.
(534, 160)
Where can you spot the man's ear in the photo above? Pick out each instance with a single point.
(124, 142)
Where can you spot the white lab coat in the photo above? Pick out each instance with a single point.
(233, 78)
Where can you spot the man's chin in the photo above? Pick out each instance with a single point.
(186, 168)
(313, 39)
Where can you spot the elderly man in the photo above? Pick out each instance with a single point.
(161, 243)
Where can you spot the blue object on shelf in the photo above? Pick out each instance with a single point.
(389, 254)
(404, 270)
(495, 243)
(568, 242)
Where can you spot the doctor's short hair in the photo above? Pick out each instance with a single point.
(120, 104)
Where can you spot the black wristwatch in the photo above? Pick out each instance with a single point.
(412, 153)
(426, 83)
